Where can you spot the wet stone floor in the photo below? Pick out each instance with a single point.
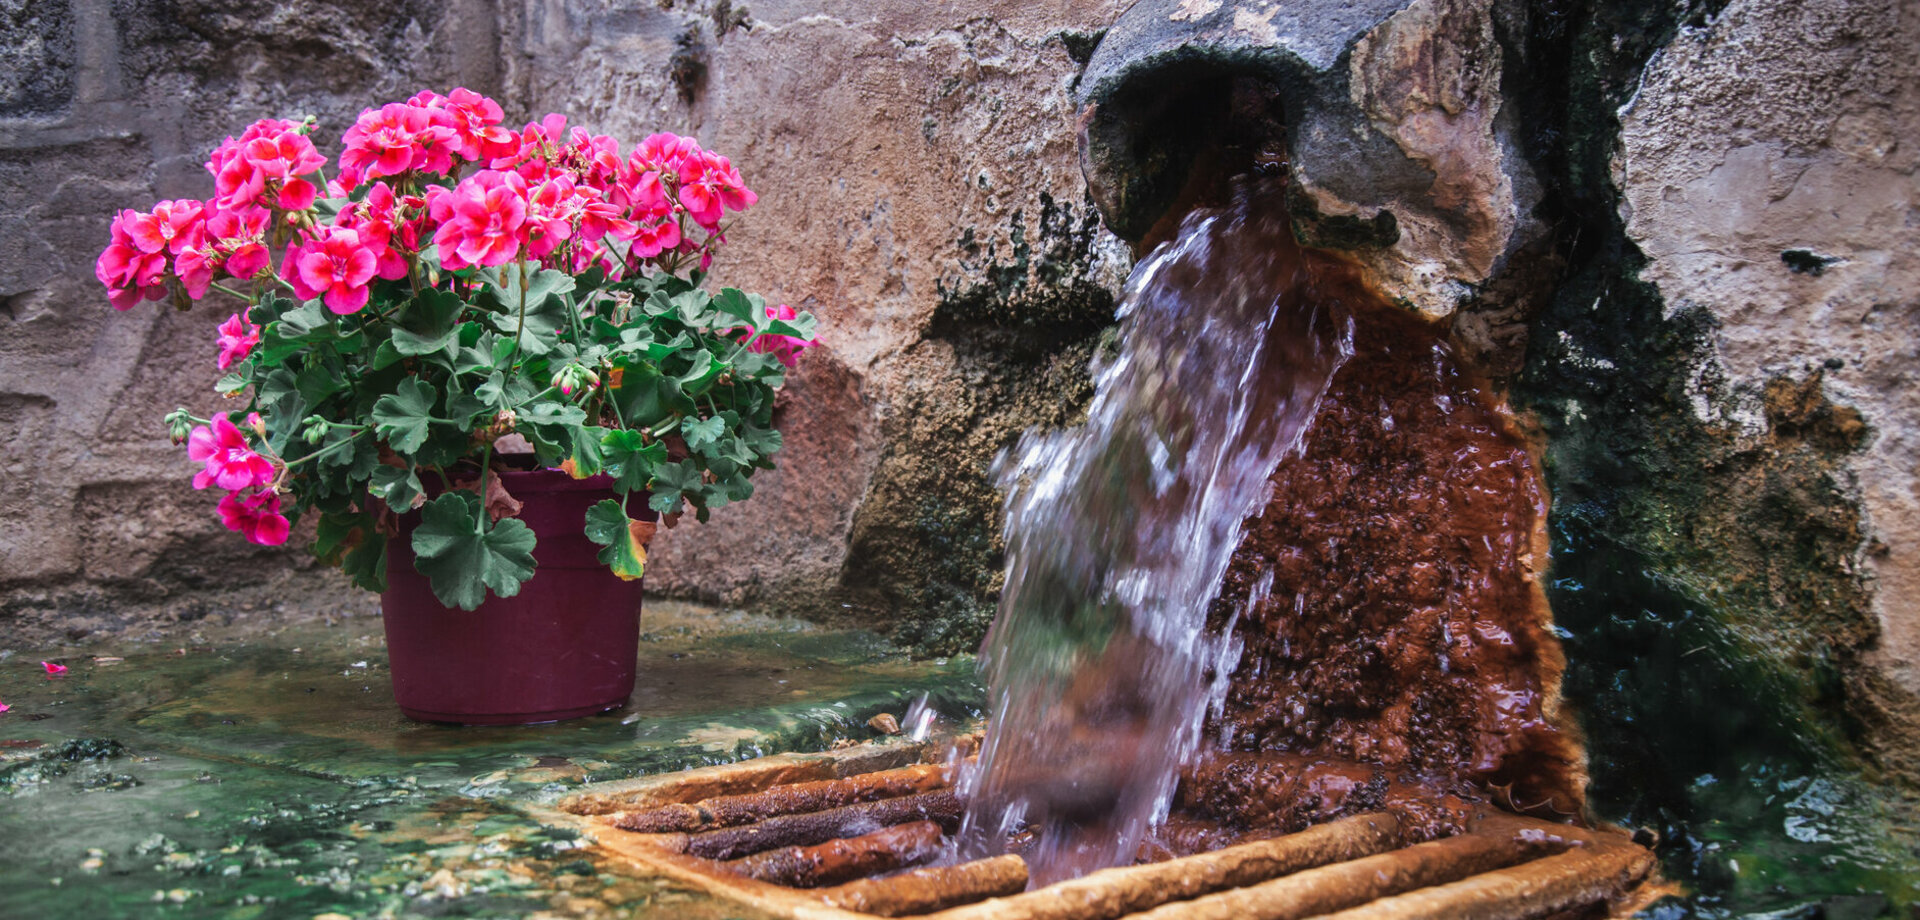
(264, 771)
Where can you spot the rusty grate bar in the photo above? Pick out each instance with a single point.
(842, 835)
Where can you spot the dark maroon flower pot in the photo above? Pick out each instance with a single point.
(562, 648)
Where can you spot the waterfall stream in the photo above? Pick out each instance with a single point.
(1099, 665)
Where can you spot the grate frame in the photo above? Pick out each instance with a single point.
(1503, 867)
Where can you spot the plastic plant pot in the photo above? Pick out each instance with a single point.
(563, 648)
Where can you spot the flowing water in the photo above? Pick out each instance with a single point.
(1099, 665)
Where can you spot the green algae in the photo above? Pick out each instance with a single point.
(1693, 736)
(251, 772)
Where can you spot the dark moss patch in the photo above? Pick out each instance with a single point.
(1032, 294)
(1340, 231)
(1807, 262)
(1080, 45)
(1006, 350)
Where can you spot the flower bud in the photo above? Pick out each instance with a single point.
(573, 377)
(179, 425)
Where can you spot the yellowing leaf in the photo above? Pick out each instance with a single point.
(624, 538)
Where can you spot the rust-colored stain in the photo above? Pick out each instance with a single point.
(1405, 636)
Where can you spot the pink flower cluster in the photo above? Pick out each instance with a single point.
(264, 168)
(229, 461)
(568, 198)
(784, 347)
(186, 242)
(147, 250)
(571, 200)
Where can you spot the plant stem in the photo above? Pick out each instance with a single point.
(486, 467)
(227, 290)
(526, 281)
(330, 448)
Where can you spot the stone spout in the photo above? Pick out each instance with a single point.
(1386, 115)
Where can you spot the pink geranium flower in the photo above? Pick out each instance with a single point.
(393, 139)
(240, 238)
(482, 221)
(652, 240)
(374, 219)
(171, 227)
(270, 149)
(129, 273)
(784, 347)
(474, 120)
(282, 159)
(551, 208)
(708, 183)
(663, 152)
(53, 669)
(228, 457)
(237, 338)
(256, 516)
(335, 265)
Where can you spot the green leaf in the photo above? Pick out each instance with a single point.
(366, 564)
(334, 534)
(762, 441)
(400, 418)
(501, 290)
(548, 412)
(630, 459)
(461, 560)
(702, 432)
(463, 410)
(316, 382)
(546, 313)
(695, 307)
(430, 324)
(397, 486)
(609, 526)
(407, 342)
(494, 391)
(588, 457)
(674, 483)
(646, 397)
(475, 351)
(730, 302)
(294, 331)
(800, 327)
(386, 355)
(308, 322)
(700, 377)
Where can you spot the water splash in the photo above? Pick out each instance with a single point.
(1100, 666)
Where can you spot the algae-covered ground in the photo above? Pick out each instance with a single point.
(250, 771)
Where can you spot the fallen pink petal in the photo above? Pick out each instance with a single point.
(54, 668)
(4, 707)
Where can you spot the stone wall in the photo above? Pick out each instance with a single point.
(919, 191)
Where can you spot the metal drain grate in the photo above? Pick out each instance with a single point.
(836, 836)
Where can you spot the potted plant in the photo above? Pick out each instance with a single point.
(482, 362)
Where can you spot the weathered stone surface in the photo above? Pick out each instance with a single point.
(919, 192)
(1768, 174)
